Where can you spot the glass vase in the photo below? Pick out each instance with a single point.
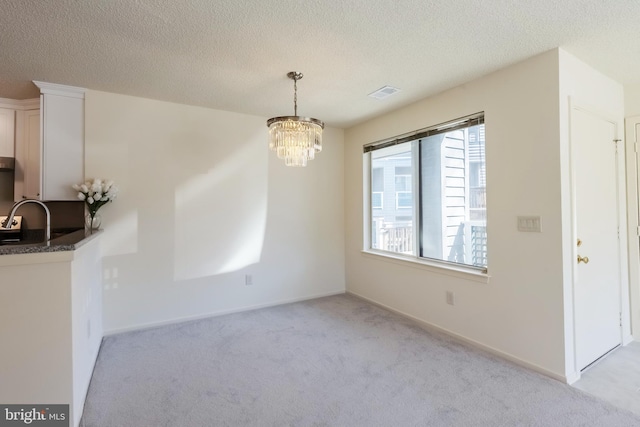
(92, 222)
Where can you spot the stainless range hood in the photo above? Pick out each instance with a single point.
(7, 163)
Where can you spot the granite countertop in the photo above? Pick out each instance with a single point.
(33, 242)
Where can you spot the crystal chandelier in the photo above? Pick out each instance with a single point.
(296, 139)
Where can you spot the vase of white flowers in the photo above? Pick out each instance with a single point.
(95, 193)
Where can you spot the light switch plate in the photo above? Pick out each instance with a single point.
(529, 224)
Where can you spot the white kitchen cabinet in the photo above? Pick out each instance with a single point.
(62, 118)
(49, 142)
(7, 132)
(28, 170)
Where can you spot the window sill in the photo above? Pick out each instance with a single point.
(461, 272)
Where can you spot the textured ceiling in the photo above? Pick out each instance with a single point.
(234, 55)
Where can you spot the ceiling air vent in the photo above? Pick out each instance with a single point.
(384, 92)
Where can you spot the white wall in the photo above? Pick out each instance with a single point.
(584, 87)
(632, 100)
(203, 203)
(519, 312)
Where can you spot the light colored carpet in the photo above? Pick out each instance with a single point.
(335, 361)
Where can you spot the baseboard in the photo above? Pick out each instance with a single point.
(573, 377)
(489, 349)
(149, 325)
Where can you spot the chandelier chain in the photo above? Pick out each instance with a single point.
(295, 97)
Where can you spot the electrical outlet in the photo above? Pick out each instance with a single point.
(248, 280)
(449, 297)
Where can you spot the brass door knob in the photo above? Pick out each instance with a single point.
(584, 259)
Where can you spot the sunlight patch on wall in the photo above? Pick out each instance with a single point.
(121, 235)
(221, 215)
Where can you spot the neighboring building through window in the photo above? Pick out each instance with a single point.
(394, 164)
(404, 196)
(435, 180)
(377, 188)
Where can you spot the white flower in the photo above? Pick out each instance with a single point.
(96, 192)
(96, 186)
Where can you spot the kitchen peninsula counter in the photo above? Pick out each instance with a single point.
(66, 242)
(50, 320)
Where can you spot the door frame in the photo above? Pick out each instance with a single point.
(633, 199)
(621, 189)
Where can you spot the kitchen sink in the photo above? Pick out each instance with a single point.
(13, 242)
(33, 237)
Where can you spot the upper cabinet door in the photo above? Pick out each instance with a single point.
(62, 144)
(28, 172)
(7, 132)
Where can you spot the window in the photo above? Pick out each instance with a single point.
(377, 188)
(403, 178)
(404, 196)
(404, 200)
(439, 184)
(387, 232)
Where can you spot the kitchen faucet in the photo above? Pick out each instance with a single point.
(7, 222)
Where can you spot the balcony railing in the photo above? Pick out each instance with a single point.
(475, 242)
(399, 239)
(478, 198)
(393, 238)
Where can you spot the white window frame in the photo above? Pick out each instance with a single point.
(456, 269)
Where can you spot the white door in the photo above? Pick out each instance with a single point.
(598, 269)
